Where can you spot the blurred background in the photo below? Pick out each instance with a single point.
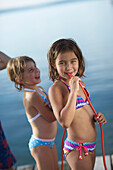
(29, 27)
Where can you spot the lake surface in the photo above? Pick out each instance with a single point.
(31, 32)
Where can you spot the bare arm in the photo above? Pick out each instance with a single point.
(3, 60)
(63, 113)
(39, 104)
(64, 110)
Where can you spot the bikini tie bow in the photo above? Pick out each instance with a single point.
(79, 148)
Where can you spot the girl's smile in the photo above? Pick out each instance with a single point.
(67, 63)
(31, 75)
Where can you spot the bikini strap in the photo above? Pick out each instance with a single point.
(43, 91)
(34, 118)
(65, 83)
(30, 90)
(69, 86)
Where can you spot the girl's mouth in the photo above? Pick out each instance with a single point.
(38, 77)
(69, 74)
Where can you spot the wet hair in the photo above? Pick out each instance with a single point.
(62, 46)
(16, 67)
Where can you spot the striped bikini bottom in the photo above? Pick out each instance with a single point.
(70, 145)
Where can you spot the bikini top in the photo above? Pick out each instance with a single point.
(80, 102)
(43, 97)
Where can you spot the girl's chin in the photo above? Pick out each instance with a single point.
(39, 80)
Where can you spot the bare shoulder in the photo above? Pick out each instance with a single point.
(58, 93)
(30, 97)
(56, 87)
(34, 96)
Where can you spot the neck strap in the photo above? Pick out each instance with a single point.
(31, 90)
(64, 83)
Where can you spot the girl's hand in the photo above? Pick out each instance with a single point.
(74, 83)
(100, 118)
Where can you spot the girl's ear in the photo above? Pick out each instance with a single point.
(18, 80)
(54, 65)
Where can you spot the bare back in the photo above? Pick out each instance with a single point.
(45, 125)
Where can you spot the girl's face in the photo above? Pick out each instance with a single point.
(67, 62)
(31, 75)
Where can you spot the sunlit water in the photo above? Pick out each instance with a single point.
(31, 32)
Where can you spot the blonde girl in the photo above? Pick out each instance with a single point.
(25, 74)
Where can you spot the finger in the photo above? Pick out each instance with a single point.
(102, 121)
(105, 121)
(95, 118)
(99, 114)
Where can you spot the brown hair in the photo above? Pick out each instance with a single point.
(16, 67)
(61, 46)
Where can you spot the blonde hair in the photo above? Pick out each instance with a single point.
(15, 69)
(61, 46)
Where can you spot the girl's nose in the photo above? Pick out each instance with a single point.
(68, 66)
(37, 70)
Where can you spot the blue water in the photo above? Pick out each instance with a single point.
(31, 32)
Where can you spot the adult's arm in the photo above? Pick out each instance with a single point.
(3, 60)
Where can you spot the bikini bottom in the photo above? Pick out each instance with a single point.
(34, 141)
(70, 145)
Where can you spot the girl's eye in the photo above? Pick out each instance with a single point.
(74, 61)
(62, 63)
(31, 70)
